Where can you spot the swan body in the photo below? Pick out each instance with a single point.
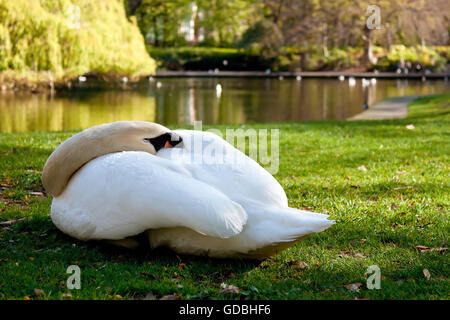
(203, 198)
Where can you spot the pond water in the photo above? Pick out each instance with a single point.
(212, 100)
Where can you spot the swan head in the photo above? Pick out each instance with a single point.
(96, 141)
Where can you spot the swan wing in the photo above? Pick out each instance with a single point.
(212, 160)
(123, 194)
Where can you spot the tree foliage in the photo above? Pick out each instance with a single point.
(39, 35)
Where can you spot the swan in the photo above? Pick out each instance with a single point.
(187, 190)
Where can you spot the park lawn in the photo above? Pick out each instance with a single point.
(382, 213)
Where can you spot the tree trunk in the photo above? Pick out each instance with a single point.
(132, 6)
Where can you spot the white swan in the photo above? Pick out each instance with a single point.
(201, 197)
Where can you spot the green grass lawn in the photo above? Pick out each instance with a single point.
(381, 215)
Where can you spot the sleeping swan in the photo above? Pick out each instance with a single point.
(187, 190)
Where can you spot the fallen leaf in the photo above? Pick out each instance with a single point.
(26, 298)
(67, 295)
(393, 206)
(360, 255)
(440, 250)
(362, 298)
(298, 264)
(181, 266)
(354, 287)
(39, 292)
(362, 168)
(422, 248)
(426, 274)
(229, 288)
(150, 296)
(410, 127)
(344, 254)
(170, 297)
(117, 296)
(31, 258)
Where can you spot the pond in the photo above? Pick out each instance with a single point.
(212, 100)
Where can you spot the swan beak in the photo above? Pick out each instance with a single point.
(168, 145)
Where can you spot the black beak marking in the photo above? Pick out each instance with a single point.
(160, 141)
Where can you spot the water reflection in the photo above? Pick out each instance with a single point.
(212, 100)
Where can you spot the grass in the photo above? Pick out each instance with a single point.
(382, 214)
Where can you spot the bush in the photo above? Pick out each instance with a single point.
(433, 58)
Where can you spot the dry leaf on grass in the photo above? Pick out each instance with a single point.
(354, 287)
(422, 248)
(229, 288)
(426, 249)
(426, 274)
(440, 250)
(410, 127)
(362, 168)
(298, 264)
(171, 297)
(393, 206)
(39, 292)
(150, 296)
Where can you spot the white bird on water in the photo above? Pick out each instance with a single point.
(81, 79)
(158, 84)
(218, 90)
(341, 77)
(373, 81)
(130, 177)
(298, 78)
(351, 81)
(365, 82)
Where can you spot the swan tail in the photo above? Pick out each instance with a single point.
(302, 223)
(277, 225)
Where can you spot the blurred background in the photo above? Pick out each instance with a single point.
(294, 35)
(71, 64)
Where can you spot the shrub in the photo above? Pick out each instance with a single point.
(428, 57)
